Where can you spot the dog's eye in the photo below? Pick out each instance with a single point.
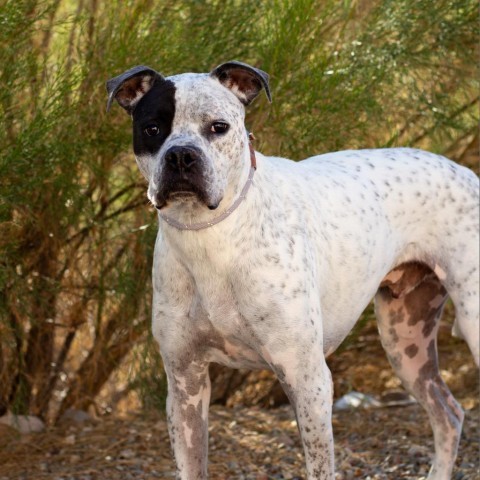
(152, 130)
(219, 127)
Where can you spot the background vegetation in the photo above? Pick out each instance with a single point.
(76, 234)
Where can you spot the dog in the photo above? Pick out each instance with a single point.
(263, 262)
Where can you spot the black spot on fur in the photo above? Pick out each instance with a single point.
(157, 107)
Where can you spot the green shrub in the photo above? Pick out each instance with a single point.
(76, 233)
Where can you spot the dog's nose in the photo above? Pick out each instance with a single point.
(181, 158)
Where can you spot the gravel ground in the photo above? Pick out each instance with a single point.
(245, 443)
(254, 443)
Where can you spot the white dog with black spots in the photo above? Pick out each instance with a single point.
(263, 262)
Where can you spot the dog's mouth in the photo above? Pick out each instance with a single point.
(183, 191)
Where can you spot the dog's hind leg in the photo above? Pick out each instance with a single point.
(409, 306)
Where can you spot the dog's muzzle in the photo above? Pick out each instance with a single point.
(209, 223)
(181, 175)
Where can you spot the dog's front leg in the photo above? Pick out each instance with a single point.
(309, 388)
(187, 416)
(177, 318)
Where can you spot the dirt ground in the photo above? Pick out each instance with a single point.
(252, 443)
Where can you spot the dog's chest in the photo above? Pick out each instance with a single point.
(225, 319)
(236, 283)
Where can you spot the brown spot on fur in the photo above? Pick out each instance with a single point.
(405, 278)
(420, 306)
(422, 293)
(429, 369)
(411, 350)
(393, 335)
(396, 316)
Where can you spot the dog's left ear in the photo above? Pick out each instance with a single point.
(243, 80)
(129, 87)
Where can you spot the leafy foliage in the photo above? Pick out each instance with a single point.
(76, 233)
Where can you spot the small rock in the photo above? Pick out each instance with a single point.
(354, 399)
(128, 453)
(417, 451)
(76, 416)
(284, 439)
(397, 398)
(23, 423)
(69, 440)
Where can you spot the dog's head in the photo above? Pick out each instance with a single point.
(189, 136)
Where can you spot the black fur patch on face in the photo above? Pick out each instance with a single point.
(154, 114)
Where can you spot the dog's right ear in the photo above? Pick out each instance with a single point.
(129, 87)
